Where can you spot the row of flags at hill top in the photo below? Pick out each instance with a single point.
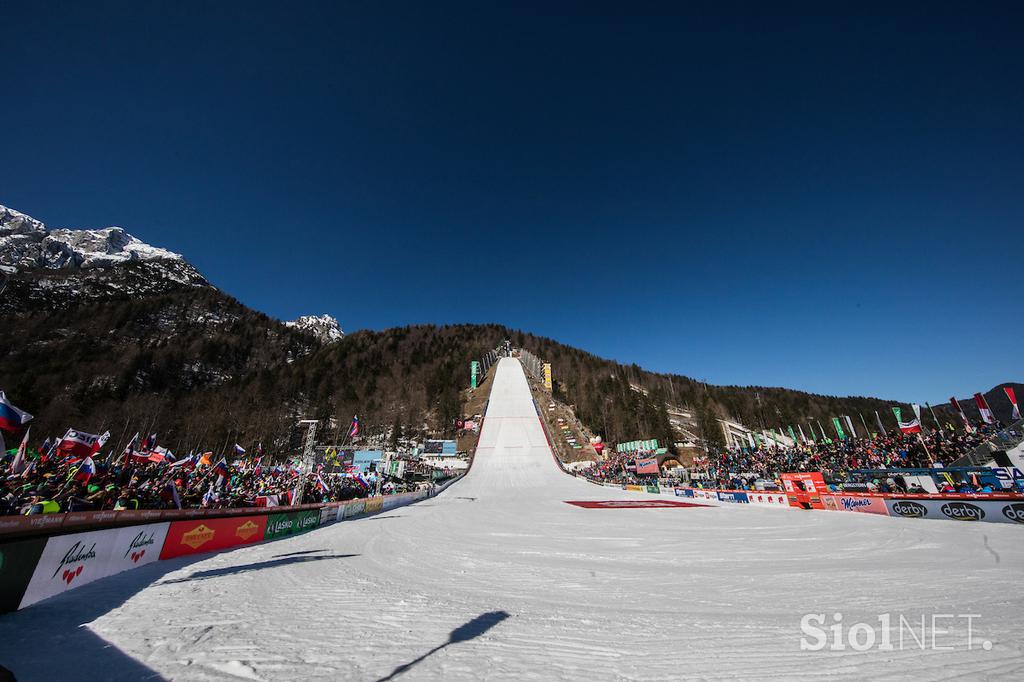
(912, 426)
(75, 444)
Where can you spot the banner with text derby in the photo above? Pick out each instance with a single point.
(991, 511)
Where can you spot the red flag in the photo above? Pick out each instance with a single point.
(1013, 401)
(963, 417)
(78, 444)
(986, 412)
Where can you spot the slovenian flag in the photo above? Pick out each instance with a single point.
(239, 450)
(354, 430)
(321, 486)
(222, 468)
(85, 470)
(11, 418)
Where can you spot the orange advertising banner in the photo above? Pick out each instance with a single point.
(209, 535)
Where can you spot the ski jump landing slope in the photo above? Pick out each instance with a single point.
(498, 578)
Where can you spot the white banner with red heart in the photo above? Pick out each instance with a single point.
(70, 561)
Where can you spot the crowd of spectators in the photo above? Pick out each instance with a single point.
(49, 484)
(739, 468)
(743, 468)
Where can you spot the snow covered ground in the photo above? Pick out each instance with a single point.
(498, 578)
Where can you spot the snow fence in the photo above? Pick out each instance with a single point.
(990, 508)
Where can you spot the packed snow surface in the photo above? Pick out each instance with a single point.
(498, 578)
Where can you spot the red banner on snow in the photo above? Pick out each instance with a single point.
(208, 535)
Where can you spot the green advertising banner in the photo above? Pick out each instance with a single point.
(293, 523)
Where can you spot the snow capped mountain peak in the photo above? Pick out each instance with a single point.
(325, 327)
(16, 222)
(26, 243)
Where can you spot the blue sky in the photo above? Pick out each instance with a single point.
(824, 196)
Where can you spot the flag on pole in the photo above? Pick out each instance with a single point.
(986, 412)
(321, 486)
(906, 427)
(158, 455)
(11, 418)
(839, 428)
(221, 469)
(239, 450)
(963, 416)
(171, 494)
(881, 426)
(187, 463)
(849, 423)
(803, 438)
(129, 450)
(935, 419)
(84, 470)
(20, 459)
(354, 429)
(1013, 401)
(78, 444)
(917, 410)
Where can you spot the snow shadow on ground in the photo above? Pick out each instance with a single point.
(463, 633)
(72, 650)
(257, 566)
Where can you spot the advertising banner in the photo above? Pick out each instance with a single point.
(991, 511)
(767, 498)
(70, 561)
(400, 500)
(855, 503)
(735, 497)
(372, 505)
(709, 495)
(137, 546)
(292, 523)
(684, 492)
(329, 515)
(208, 535)
(647, 466)
(354, 508)
(17, 563)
